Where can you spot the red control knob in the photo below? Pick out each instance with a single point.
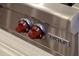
(37, 31)
(24, 25)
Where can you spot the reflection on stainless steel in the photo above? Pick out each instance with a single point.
(13, 45)
(76, 6)
(76, 24)
(57, 17)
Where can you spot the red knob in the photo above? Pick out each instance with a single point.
(23, 25)
(36, 32)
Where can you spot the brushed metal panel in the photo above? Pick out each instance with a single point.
(16, 46)
(76, 6)
(57, 16)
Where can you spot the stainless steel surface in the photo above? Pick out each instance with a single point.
(11, 45)
(76, 24)
(76, 6)
(58, 19)
(76, 19)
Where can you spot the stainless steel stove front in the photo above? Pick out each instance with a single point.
(57, 17)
